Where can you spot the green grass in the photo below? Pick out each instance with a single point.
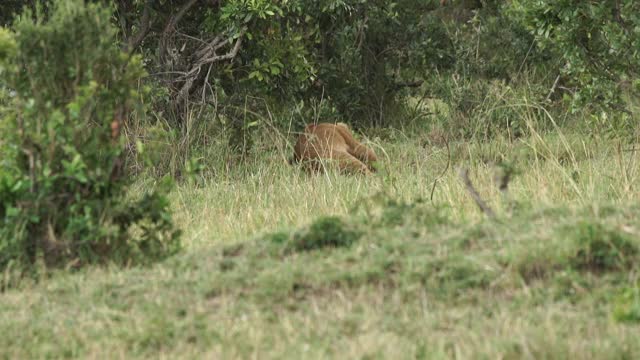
(400, 276)
(267, 195)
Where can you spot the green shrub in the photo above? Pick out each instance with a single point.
(278, 238)
(598, 248)
(63, 194)
(325, 232)
(627, 305)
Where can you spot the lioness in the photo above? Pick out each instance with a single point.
(333, 141)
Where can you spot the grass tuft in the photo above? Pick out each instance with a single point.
(598, 248)
(325, 232)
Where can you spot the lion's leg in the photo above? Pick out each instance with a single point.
(348, 162)
(354, 147)
(363, 153)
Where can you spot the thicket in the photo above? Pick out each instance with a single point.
(471, 68)
(595, 45)
(358, 61)
(67, 90)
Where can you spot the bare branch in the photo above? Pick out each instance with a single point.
(211, 46)
(174, 20)
(171, 25)
(406, 84)
(208, 56)
(553, 88)
(145, 26)
(435, 182)
(227, 56)
(464, 174)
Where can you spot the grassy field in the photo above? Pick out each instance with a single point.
(280, 264)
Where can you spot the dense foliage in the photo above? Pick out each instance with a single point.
(356, 55)
(597, 45)
(357, 61)
(62, 189)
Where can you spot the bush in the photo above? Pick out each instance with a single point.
(598, 248)
(62, 189)
(325, 232)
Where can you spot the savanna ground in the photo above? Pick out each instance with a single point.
(393, 267)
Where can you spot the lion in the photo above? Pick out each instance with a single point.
(333, 141)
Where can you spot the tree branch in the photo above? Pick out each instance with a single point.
(145, 26)
(171, 25)
(206, 56)
(464, 174)
(435, 182)
(553, 89)
(407, 84)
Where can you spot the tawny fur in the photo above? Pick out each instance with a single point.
(333, 141)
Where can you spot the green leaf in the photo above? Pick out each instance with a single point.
(12, 211)
(82, 178)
